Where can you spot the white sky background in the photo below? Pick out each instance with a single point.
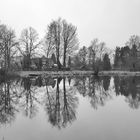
(111, 21)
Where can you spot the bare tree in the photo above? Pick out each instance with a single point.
(48, 43)
(91, 56)
(7, 45)
(29, 43)
(83, 56)
(99, 48)
(54, 31)
(69, 40)
(61, 37)
(134, 40)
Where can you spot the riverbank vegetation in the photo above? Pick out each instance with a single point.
(60, 50)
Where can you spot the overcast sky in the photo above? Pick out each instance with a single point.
(111, 21)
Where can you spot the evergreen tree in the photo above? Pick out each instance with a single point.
(117, 57)
(53, 58)
(106, 62)
(133, 57)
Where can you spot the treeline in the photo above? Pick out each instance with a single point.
(128, 57)
(61, 44)
(94, 57)
(60, 39)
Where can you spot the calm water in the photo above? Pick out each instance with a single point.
(70, 108)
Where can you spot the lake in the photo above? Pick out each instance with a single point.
(70, 108)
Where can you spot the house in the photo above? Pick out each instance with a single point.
(16, 62)
(36, 63)
(47, 63)
(43, 63)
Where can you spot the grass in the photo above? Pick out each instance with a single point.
(77, 72)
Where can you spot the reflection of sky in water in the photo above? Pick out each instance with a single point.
(100, 115)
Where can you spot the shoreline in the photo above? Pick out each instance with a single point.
(54, 73)
(76, 73)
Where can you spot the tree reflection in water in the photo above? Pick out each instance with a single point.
(60, 96)
(61, 104)
(96, 88)
(130, 88)
(8, 101)
(28, 97)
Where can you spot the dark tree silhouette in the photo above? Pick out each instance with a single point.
(128, 87)
(106, 82)
(106, 62)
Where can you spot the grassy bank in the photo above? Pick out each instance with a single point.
(76, 72)
(54, 73)
(119, 73)
(7, 75)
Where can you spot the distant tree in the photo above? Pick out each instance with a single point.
(106, 62)
(76, 63)
(7, 45)
(69, 40)
(117, 57)
(83, 56)
(48, 42)
(61, 38)
(134, 51)
(96, 52)
(125, 56)
(28, 45)
(98, 48)
(134, 57)
(54, 30)
(91, 57)
(98, 66)
(134, 40)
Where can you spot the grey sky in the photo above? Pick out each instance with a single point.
(112, 21)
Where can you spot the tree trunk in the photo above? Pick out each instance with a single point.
(64, 58)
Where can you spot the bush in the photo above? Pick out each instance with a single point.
(2, 72)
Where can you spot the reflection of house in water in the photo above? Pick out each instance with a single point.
(50, 82)
(39, 81)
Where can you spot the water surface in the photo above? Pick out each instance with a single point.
(70, 108)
